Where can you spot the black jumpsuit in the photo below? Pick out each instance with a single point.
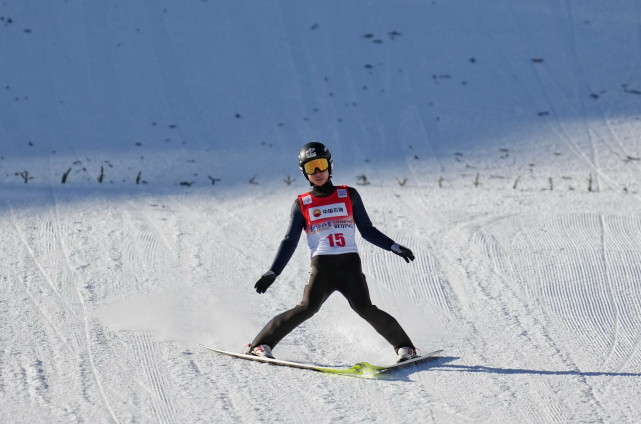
(331, 273)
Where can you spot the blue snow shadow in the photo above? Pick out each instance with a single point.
(402, 91)
(445, 364)
(442, 365)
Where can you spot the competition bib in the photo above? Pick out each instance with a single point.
(329, 222)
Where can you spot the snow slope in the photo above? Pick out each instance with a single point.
(516, 125)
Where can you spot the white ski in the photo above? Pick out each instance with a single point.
(361, 369)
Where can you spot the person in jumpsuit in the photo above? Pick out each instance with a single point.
(329, 214)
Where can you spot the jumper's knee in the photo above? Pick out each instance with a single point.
(307, 310)
(365, 311)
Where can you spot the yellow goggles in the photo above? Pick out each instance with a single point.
(321, 164)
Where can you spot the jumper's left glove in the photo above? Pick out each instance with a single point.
(403, 252)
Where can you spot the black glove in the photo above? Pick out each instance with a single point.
(265, 281)
(403, 252)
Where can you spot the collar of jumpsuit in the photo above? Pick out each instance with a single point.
(324, 190)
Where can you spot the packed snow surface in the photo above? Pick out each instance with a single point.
(148, 165)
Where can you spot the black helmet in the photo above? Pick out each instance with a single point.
(311, 151)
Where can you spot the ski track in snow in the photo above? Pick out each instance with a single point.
(500, 291)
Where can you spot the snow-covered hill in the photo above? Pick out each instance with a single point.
(514, 127)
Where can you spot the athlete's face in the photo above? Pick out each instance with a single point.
(319, 178)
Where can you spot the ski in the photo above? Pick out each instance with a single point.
(361, 369)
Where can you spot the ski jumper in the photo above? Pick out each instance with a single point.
(330, 215)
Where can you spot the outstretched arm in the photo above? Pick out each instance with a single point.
(364, 224)
(285, 250)
(371, 233)
(290, 241)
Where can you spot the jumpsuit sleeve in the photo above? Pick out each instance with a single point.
(364, 224)
(290, 241)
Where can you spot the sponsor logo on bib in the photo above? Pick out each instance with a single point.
(342, 192)
(307, 200)
(328, 211)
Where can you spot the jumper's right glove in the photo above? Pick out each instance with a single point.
(265, 281)
(403, 252)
